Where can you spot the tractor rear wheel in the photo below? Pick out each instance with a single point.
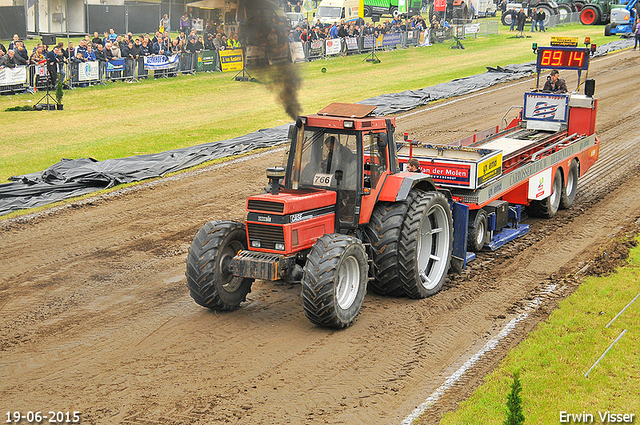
(477, 231)
(548, 207)
(506, 19)
(564, 10)
(209, 278)
(589, 15)
(334, 282)
(570, 189)
(383, 232)
(425, 246)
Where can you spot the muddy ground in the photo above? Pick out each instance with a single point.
(95, 316)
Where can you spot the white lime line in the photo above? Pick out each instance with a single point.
(622, 311)
(586, 375)
(489, 346)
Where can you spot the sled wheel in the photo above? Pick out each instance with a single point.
(209, 278)
(425, 245)
(334, 282)
(571, 188)
(477, 231)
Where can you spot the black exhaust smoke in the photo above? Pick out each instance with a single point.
(265, 25)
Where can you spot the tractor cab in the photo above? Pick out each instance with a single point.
(343, 150)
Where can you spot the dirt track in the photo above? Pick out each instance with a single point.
(95, 316)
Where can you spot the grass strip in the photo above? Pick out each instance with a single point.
(553, 360)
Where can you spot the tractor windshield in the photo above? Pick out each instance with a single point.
(329, 159)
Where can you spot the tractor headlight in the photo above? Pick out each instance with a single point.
(279, 246)
(255, 243)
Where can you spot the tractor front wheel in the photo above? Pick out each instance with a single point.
(425, 246)
(334, 282)
(209, 278)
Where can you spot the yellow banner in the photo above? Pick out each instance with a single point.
(564, 41)
(231, 60)
(489, 168)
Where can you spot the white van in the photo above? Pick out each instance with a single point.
(330, 11)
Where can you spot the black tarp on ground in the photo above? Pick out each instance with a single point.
(70, 178)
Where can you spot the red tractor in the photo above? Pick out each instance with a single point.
(340, 214)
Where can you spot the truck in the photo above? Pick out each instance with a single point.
(391, 7)
(332, 11)
(343, 215)
(622, 18)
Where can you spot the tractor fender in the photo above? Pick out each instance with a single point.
(397, 186)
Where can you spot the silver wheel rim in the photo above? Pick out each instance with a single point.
(480, 235)
(348, 282)
(570, 183)
(433, 247)
(230, 283)
(554, 199)
(563, 15)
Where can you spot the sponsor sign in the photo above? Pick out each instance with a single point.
(316, 48)
(450, 174)
(160, 62)
(440, 5)
(297, 52)
(207, 60)
(231, 60)
(489, 168)
(564, 41)
(540, 185)
(424, 39)
(333, 46)
(389, 40)
(368, 42)
(115, 65)
(10, 77)
(546, 107)
(88, 71)
(472, 28)
(352, 43)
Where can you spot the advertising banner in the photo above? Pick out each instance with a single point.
(369, 40)
(389, 40)
(157, 62)
(88, 71)
(297, 52)
(115, 65)
(352, 43)
(540, 185)
(546, 107)
(10, 77)
(316, 48)
(440, 5)
(333, 46)
(207, 60)
(489, 169)
(425, 38)
(231, 60)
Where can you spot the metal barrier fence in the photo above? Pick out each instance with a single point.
(33, 78)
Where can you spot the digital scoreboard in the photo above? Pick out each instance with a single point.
(563, 58)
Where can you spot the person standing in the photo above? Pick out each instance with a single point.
(52, 66)
(637, 32)
(541, 17)
(534, 19)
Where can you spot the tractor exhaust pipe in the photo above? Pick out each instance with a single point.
(297, 161)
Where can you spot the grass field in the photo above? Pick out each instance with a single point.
(554, 359)
(120, 120)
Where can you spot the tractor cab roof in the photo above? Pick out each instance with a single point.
(347, 116)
